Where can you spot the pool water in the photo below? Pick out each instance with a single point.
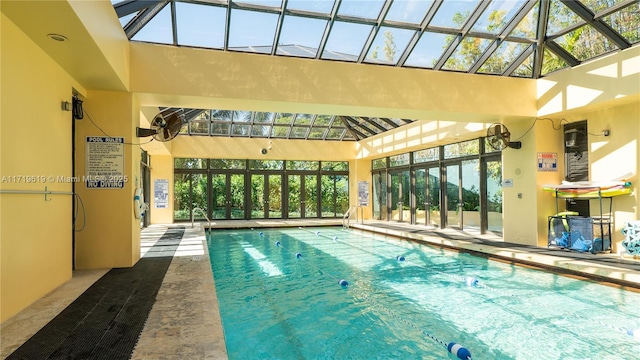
(280, 297)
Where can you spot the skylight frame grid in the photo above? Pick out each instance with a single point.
(139, 13)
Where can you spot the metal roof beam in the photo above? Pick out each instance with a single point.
(519, 60)
(543, 18)
(129, 7)
(562, 53)
(143, 18)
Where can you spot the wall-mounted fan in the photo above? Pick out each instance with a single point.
(163, 128)
(499, 138)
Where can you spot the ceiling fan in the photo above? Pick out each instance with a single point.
(164, 127)
(499, 138)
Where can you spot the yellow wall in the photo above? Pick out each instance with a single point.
(421, 134)
(35, 234)
(246, 148)
(111, 237)
(360, 170)
(196, 78)
(614, 156)
(96, 53)
(549, 137)
(609, 81)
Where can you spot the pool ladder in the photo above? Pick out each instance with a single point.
(347, 215)
(193, 214)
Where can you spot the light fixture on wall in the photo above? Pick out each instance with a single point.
(57, 37)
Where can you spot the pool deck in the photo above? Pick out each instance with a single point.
(184, 321)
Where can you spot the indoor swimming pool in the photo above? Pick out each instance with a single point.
(332, 293)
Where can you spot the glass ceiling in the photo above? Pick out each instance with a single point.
(254, 124)
(518, 38)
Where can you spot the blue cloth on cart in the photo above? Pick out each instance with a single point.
(564, 240)
(579, 243)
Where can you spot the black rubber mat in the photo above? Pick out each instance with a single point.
(105, 322)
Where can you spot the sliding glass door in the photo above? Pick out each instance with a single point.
(427, 194)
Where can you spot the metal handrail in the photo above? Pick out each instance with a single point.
(193, 213)
(37, 192)
(347, 216)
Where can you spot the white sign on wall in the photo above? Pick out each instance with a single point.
(105, 162)
(363, 193)
(161, 193)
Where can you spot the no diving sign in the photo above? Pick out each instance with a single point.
(105, 162)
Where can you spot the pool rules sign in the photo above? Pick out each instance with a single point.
(104, 163)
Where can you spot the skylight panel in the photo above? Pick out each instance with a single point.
(381, 123)
(125, 19)
(468, 51)
(347, 136)
(388, 45)
(241, 116)
(284, 118)
(561, 17)
(366, 9)
(303, 119)
(504, 55)
(252, 31)
(497, 15)
(297, 51)
(428, 50)
(525, 69)
(199, 128)
(220, 129)
(298, 132)
(401, 122)
(301, 31)
(317, 133)
(626, 22)
(528, 26)
(280, 131)
(408, 11)
(260, 130)
(264, 117)
(585, 43)
(221, 115)
(322, 120)
(347, 39)
(453, 13)
(551, 62)
(335, 133)
(266, 3)
(598, 5)
(158, 29)
(200, 25)
(321, 6)
(240, 130)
